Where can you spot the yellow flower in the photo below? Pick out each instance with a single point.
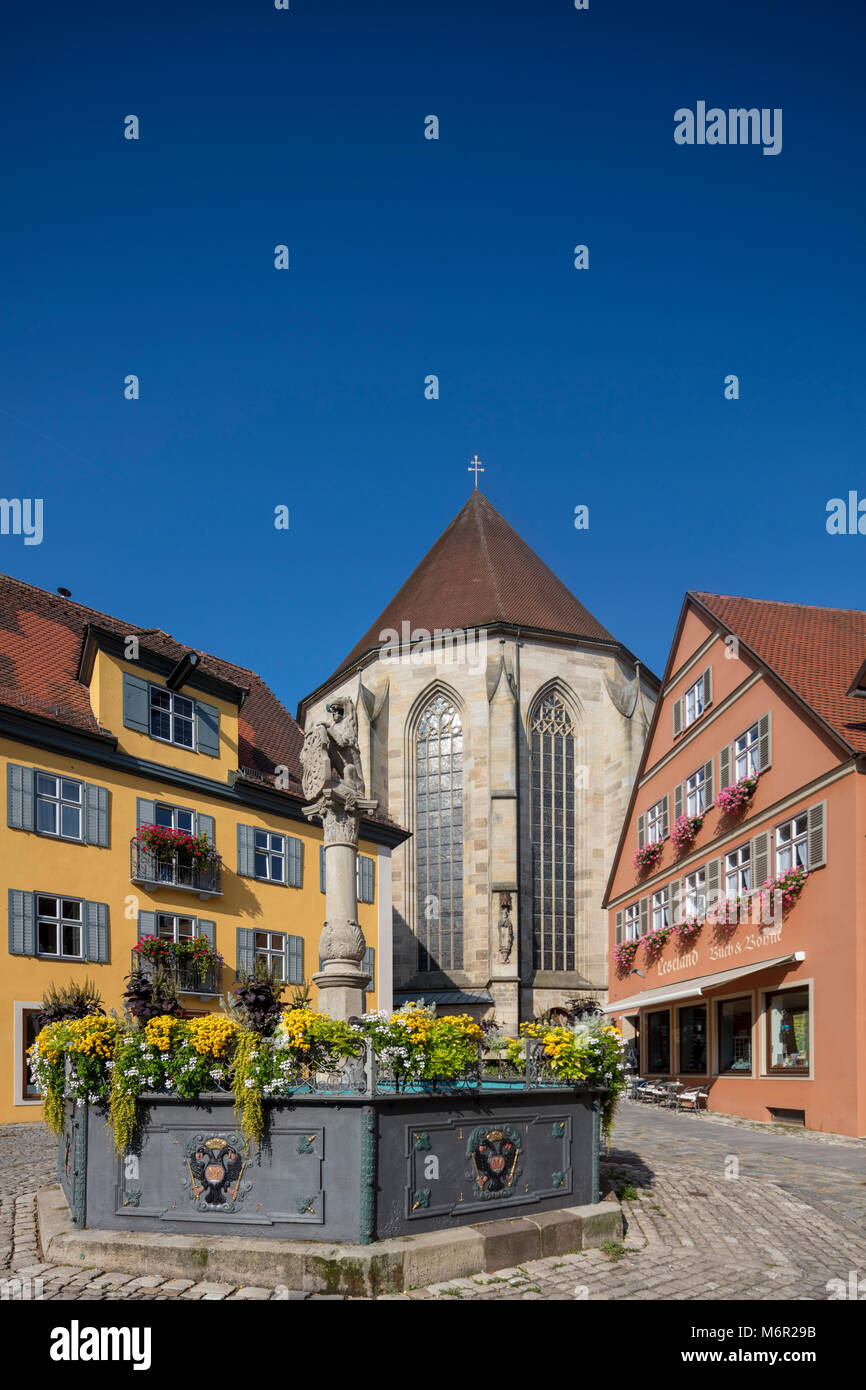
(212, 1035)
(159, 1031)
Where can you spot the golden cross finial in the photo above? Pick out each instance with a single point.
(477, 466)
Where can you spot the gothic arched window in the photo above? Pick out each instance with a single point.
(439, 836)
(552, 810)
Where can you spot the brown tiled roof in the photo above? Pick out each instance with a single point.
(480, 572)
(816, 651)
(41, 641)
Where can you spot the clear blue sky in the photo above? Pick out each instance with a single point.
(411, 257)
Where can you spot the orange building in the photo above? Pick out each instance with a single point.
(737, 895)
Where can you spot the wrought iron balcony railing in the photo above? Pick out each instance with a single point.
(160, 871)
(186, 977)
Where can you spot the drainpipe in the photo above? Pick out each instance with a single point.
(518, 743)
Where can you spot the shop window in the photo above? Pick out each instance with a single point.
(29, 1033)
(659, 1042)
(692, 1025)
(788, 1031)
(735, 1035)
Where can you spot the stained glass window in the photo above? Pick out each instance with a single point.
(439, 836)
(552, 803)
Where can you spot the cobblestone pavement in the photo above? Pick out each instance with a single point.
(716, 1209)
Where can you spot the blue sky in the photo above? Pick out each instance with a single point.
(409, 257)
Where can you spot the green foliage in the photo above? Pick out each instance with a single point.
(614, 1249)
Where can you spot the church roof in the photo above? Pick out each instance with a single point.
(478, 573)
(817, 652)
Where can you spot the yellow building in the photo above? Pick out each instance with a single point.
(106, 728)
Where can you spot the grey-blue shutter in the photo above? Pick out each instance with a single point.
(136, 703)
(321, 868)
(366, 879)
(246, 951)
(206, 825)
(96, 815)
(20, 797)
(207, 726)
(295, 960)
(146, 924)
(96, 931)
(22, 923)
(246, 850)
(145, 811)
(207, 929)
(294, 861)
(368, 965)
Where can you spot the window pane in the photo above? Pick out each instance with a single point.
(261, 863)
(261, 940)
(70, 822)
(47, 938)
(185, 821)
(659, 1042)
(46, 817)
(788, 1029)
(71, 910)
(693, 1039)
(185, 928)
(164, 815)
(261, 839)
(183, 706)
(735, 1035)
(276, 868)
(45, 785)
(165, 928)
(71, 791)
(183, 732)
(71, 941)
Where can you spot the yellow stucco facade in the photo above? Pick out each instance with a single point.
(133, 766)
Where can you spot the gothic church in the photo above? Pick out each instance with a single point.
(503, 726)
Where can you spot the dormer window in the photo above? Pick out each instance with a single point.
(172, 717)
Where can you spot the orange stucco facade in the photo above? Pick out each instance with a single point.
(783, 1034)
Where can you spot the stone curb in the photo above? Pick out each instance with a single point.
(389, 1266)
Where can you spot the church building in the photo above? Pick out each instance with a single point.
(503, 726)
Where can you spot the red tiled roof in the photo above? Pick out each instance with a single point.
(480, 572)
(41, 641)
(816, 651)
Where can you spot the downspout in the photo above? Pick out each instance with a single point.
(518, 769)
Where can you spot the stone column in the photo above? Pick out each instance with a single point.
(341, 981)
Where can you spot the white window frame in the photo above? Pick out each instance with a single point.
(59, 920)
(749, 753)
(740, 866)
(59, 801)
(175, 918)
(173, 696)
(790, 845)
(631, 923)
(660, 909)
(272, 953)
(268, 852)
(693, 702)
(655, 823)
(695, 788)
(695, 894)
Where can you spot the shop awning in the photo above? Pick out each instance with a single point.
(698, 984)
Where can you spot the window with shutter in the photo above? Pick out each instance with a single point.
(207, 723)
(366, 878)
(20, 799)
(246, 850)
(96, 815)
(136, 703)
(246, 951)
(207, 929)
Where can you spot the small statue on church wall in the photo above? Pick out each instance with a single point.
(505, 928)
